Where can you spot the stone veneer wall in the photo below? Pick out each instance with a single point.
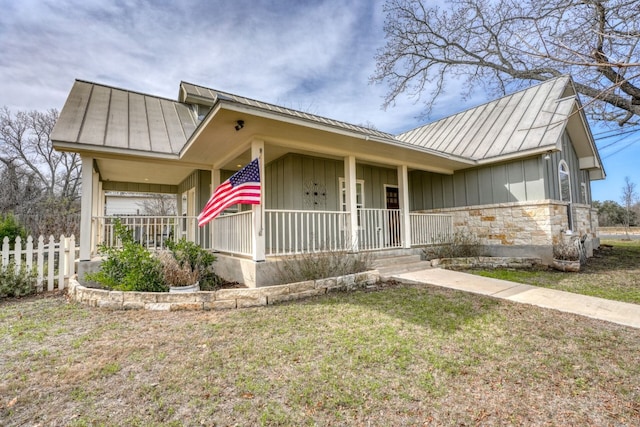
(222, 299)
(521, 228)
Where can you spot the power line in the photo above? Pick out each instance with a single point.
(619, 150)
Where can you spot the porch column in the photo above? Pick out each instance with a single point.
(215, 183)
(405, 218)
(258, 235)
(99, 211)
(351, 200)
(86, 204)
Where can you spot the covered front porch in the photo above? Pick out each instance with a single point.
(287, 232)
(325, 185)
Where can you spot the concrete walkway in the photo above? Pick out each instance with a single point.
(597, 308)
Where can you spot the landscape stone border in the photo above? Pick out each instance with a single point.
(222, 299)
(487, 262)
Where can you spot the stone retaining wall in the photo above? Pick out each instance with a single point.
(222, 299)
(487, 262)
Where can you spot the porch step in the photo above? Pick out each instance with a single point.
(391, 266)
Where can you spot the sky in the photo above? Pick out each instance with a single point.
(316, 56)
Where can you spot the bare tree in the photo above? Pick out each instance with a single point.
(629, 198)
(40, 185)
(500, 44)
(24, 142)
(159, 205)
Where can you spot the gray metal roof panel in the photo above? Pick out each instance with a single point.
(109, 117)
(212, 94)
(521, 121)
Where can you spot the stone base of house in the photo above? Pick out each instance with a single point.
(525, 229)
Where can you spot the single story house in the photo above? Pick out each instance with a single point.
(515, 172)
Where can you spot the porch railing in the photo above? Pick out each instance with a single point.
(287, 232)
(429, 229)
(379, 229)
(232, 233)
(293, 232)
(150, 231)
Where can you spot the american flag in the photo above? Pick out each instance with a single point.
(242, 187)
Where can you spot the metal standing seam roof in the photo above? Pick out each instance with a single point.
(108, 117)
(192, 91)
(529, 119)
(112, 118)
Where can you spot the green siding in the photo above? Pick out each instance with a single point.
(507, 182)
(292, 176)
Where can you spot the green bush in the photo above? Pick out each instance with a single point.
(130, 268)
(199, 259)
(17, 283)
(11, 228)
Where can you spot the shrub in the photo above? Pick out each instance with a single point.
(11, 228)
(199, 260)
(320, 265)
(17, 283)
(175, 274)
(460, 245)
(130, 268)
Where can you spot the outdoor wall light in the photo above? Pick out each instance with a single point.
(548, 155)
(239, 124)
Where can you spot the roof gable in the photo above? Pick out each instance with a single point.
(527, 120)
(191, 93)
(108, 117)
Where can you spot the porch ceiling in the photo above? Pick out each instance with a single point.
(142, 171)
(219, 144)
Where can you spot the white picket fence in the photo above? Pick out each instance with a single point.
(53, 261)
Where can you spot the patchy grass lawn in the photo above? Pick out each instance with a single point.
(613, 273)
(403, 355)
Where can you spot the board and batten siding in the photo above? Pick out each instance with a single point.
(577, 176)
(502, 183)
(201, 181)
(292, 181)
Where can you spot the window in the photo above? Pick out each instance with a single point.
(359, 194)
(565, 181)
(583, 193)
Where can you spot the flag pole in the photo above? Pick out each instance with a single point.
(262, 187)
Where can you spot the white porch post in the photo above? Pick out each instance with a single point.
(99, 211)
(215, 182)
(258, 234)
(86, 204)
(351, 200)
(405, 218)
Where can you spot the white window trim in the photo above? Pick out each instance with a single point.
(384, 192)
(342, 189)
(566, 171)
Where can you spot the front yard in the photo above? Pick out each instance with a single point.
(401, 355)
(613, 273)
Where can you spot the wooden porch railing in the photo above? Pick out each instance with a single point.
(151, 231)
(232, 233)
(429, 229)
(293, 232)
(379, 229)
(287, 232)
